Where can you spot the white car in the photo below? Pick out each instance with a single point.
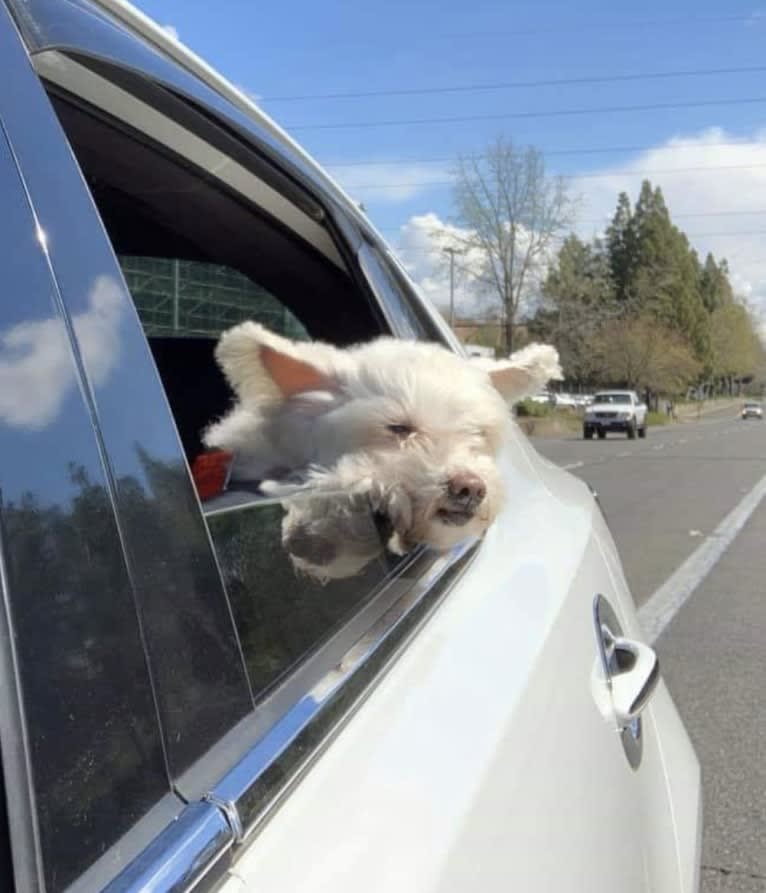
(752, 410)
(565, 400)
(621, 411)
(178, 709)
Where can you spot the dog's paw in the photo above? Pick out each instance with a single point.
(398, 509)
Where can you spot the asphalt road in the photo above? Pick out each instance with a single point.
(662, 497)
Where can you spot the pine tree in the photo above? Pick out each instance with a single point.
(715, 287)
(619, 246)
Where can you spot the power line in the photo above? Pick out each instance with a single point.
(519, 85)
(602, 175)
(594, 150)
(436, 250)
(626, 25)
(568, 27)
(689, 215)
(554, 113)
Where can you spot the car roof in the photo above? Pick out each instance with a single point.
(155, 34)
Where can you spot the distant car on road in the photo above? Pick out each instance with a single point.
(615, 411)
(752, 410)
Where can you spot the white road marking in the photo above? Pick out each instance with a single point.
(623, 455)
(573, 465)
(664, 604)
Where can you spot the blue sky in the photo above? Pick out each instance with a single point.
(308, 49)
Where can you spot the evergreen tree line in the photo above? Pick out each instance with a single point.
(638, 309)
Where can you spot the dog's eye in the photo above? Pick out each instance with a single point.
(401, 431)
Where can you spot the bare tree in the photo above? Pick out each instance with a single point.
(510, 213)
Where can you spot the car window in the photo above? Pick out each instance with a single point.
(198, 259)
(612, 398)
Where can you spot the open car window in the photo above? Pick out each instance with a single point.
(198, 258)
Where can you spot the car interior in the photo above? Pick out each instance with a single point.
(155, 207)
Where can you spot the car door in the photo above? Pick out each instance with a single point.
(488, 756)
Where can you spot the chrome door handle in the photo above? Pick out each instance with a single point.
(634, 678)
(631, 668)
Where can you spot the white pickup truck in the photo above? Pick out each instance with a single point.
(615, 411)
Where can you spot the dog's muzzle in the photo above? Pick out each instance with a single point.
(465, 493)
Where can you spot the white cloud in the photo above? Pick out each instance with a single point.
(36, 371)
(384, 182)
(701, 201)
(420, 246)
(171, 30)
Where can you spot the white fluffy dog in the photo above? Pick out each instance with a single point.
(392, 438)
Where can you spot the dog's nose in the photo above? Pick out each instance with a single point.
(466, 489)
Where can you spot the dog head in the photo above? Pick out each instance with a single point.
(413, 422)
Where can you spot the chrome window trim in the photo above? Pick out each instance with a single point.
(301, 678)
(190, 850)
(253, 789)
(195, 849)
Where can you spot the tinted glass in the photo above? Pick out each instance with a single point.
(196, 663)
(283, 612)
(93, 733)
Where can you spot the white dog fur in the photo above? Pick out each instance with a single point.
(407, 429)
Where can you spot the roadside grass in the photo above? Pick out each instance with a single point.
(544, 420)
(534, 410)
(657, 418)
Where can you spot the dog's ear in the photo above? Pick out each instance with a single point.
(525, 372)
(262, 366)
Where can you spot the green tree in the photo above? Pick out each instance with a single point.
(737, 351)
(664, 280)
(578, 296)
(714, 285)
(643, 354)
(620, 246)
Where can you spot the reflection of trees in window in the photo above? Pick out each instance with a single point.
(95, 747)
(280, 615)
(96, 750)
